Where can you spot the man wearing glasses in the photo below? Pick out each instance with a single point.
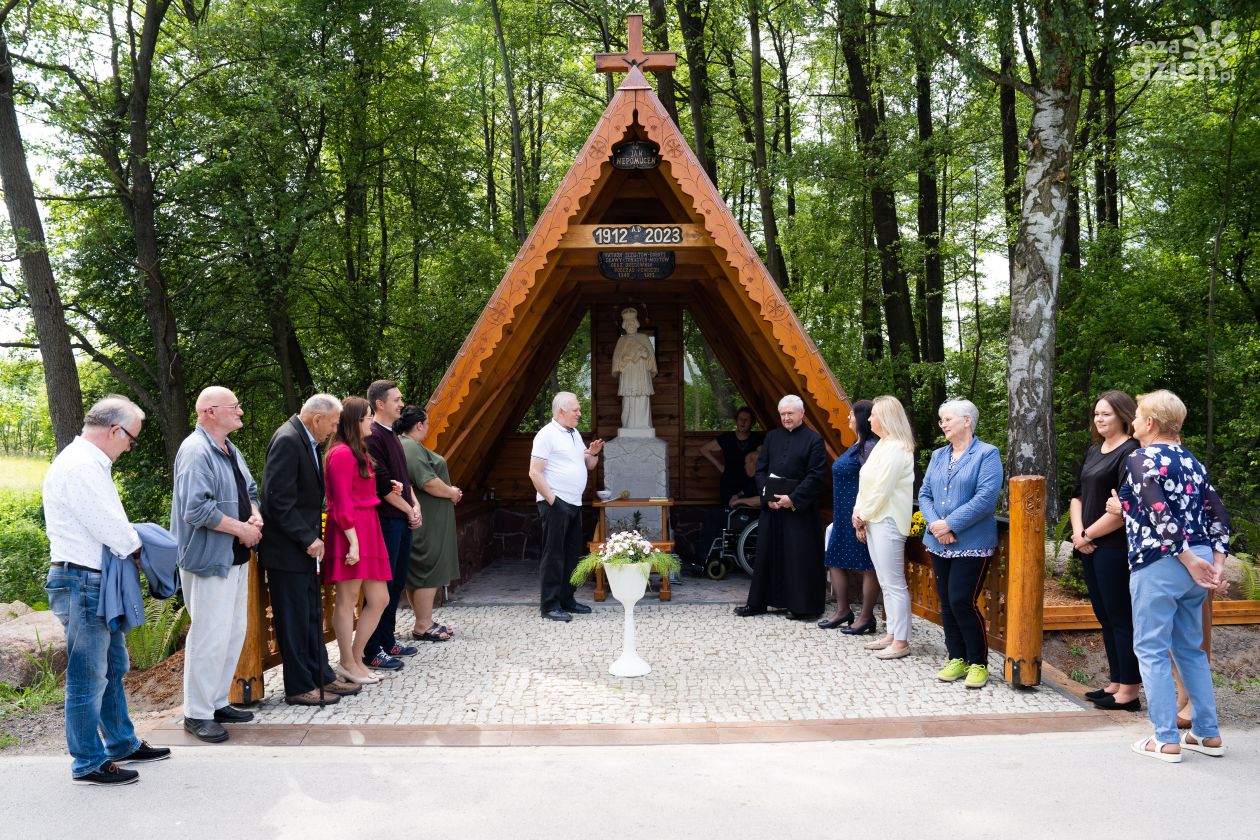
(215, 521)
(83, 514)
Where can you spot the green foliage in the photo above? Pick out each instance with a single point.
(22, 474)
(1080, 676)
(23, 549)
(24, 425)
(153, 641)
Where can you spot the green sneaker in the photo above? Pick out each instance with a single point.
(977, 676)
(953, 670)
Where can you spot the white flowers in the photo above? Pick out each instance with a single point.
(626, 547)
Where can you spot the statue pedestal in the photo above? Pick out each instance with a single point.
(638, 465)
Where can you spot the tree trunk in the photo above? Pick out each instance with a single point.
(514, 115)
(699, 96)
(1010, 133)
(1034, 284)
(933, 338)
(898, 313)
(658, 27)
(61, 375)
(488, 129)
(765, 191)
(157, 303)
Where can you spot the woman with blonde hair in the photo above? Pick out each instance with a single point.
(1178, 537)
(881, 517)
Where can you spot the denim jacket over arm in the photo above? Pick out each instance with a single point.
(966, 501)
(205, 492)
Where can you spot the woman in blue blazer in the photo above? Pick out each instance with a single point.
(958, 500)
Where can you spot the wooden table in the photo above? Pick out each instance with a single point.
(601, 533)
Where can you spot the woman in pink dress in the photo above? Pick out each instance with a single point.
(353, 543)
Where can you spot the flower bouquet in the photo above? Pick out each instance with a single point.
(625, 549)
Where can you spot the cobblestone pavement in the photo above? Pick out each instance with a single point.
(506, 665)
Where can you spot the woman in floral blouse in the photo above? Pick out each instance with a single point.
(1178, 539)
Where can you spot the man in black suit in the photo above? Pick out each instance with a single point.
(292, 504)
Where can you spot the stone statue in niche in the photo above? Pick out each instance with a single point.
(634, 364)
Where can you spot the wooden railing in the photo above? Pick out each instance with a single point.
(1011, 600)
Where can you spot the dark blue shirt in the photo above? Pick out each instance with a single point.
(1169, 505)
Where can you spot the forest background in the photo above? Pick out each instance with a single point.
(284, 197)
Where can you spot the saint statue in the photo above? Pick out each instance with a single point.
(634, 364)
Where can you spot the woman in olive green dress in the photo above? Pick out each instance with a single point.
(434, 556)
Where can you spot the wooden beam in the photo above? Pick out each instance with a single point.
(1025, 595)
(691, 236)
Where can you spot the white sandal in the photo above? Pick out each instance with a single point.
(1139, 747)
(1198, 746)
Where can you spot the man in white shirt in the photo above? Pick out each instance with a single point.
(558, 464)
(84, 515)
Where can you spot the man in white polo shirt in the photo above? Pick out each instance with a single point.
(558, 465)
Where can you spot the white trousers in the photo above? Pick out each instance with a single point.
(217, 606)
(887, 547)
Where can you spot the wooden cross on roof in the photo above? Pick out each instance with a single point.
(634, 56)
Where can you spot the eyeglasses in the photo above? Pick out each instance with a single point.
(130, 437)
(234, 406)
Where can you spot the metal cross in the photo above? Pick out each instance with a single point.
(634, 56)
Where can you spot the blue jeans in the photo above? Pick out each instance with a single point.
(1168, 618)
(96, 705)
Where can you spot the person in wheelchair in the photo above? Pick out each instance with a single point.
(723, 526)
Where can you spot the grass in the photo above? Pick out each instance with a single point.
(1080, 676)
(7, 740)
(21, 473)
(43, 691)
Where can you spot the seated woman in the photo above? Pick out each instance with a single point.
(733, 447)
(434, 553)
(747, 496)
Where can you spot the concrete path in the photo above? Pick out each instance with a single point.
(1032, 786)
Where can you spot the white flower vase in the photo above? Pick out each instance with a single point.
(628, 583)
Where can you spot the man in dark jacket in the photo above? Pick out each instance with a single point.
(291, 548)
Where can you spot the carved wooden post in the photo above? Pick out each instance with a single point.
(247, 682)
(1025, 590)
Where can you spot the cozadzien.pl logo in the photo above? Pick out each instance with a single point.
(1207, 55)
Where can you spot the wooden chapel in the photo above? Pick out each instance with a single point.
(635, 222)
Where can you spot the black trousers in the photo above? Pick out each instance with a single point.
(1107, 577)
(398, 544)
(958, 583)
(297, 615)
(561, 550)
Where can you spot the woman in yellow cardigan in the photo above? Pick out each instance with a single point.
(881, 517)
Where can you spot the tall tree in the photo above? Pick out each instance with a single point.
(61, 376)
(691, 17)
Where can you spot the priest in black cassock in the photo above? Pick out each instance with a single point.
(789, 570)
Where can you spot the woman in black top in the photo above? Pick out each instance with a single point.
(1099, 540)
(733, 447)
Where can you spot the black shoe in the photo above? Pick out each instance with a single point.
(230, 714)
(1097, 694)
(795, 616)
(145, 753)
(747, 610)
(860, 629)
(205, 730)
(403, 650)
(833, 623)
(109, 773)
(576, 608)
(383, 662)
(557, 615)
(1109, 704)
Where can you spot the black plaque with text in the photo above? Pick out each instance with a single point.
(636, 154)
(636, 265)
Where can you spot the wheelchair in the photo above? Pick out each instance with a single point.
(736, 546)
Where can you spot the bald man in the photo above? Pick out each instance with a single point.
(215, 520)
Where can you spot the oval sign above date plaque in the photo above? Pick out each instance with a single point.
(638, 235)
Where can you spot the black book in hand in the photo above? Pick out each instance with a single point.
(776, 486)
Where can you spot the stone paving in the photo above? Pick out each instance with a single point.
(507, 666)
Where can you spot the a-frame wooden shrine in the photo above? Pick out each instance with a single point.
(635, 204)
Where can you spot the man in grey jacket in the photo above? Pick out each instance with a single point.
(215, 520)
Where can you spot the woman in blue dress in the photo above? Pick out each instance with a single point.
(844, 552)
